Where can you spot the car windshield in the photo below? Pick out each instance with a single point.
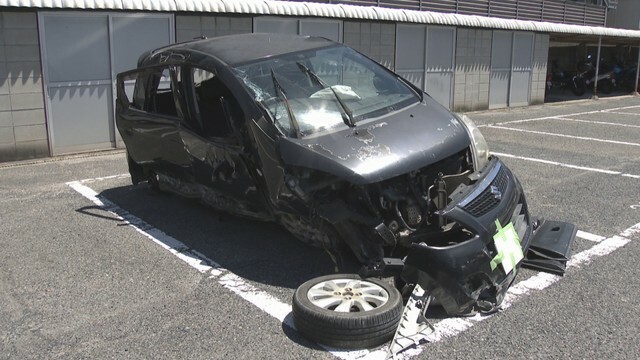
(323, 89)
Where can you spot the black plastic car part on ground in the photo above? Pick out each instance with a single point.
(338, 149)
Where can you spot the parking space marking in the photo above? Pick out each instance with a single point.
(588, 236)
(621, 113)
(566, 115)
(577, 167)
(269, 304)
(596, 122)
(565, 136)
(234, 283)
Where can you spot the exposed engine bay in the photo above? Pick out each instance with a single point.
(397, 212)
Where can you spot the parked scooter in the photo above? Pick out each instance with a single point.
(559, 79)
(606, 77)
(578, 83)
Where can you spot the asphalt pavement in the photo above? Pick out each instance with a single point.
(95, 268)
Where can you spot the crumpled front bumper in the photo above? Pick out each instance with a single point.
(461, 276)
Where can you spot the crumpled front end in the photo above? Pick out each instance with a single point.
(475, 274)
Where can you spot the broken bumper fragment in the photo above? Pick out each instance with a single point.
(474, 275)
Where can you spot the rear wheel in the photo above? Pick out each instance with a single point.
(345, 311)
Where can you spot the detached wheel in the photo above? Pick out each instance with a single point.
(345, 311)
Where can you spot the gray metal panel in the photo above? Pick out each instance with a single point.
(440, 63)
(522, 51)
(440, 45)
(520, 92)
(275, 25)
(501, 50)
(77, 47)
(80, 117)
(134, 34)
(410, 47)
(521, 69)
(499, 89)
(325, 28)
(439, 87)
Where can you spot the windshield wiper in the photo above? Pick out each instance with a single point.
(348, 120)
(292, 118)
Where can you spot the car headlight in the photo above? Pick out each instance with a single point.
(479, 147)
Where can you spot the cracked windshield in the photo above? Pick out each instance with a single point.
(320, 90)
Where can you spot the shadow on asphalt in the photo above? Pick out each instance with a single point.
(258, 251)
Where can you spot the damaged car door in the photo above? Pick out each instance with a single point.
(151, 115)
(214, 146)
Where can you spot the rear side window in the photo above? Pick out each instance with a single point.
(155, 90)
(131, 90)
(195, 97)
(164, 97)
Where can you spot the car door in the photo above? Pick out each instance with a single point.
(217, 157)
(150, 114)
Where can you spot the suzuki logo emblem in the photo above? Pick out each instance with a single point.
(497, 194)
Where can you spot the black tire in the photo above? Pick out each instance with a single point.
(356, 329)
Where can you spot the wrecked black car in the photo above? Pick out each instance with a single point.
(343, 153)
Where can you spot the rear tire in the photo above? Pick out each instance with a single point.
(345, 311)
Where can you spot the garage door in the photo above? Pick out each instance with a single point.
(425, 56)
(511, 68)
(82, 53)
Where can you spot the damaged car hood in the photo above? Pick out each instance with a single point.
(375, 151)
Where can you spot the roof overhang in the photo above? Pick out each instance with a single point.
(308, 9)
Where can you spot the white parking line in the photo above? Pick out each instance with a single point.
(565, 136)
(549, 162)
(238, 285)
(588, 236)
(597, 122)
(279, 310)
(566, 115)
(622, 113)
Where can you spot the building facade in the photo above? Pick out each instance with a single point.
(58, 63)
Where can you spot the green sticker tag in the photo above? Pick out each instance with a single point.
(509, 249)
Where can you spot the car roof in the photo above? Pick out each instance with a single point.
(242, 48)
